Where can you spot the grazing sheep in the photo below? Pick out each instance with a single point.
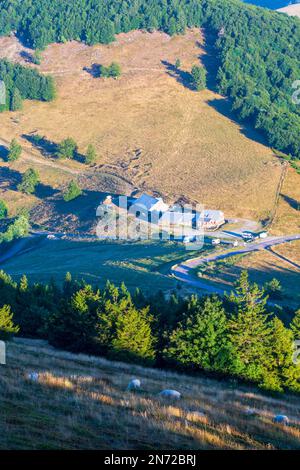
(173, 394)
(134, 384)
(281, 419)
(34, 376)
(250, 411)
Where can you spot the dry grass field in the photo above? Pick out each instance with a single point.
(148, 126)
(281, 262)
(287, 219)
(81, 402)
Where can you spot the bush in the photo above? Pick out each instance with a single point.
(30, 179)
(7, 327)
(112, 71)
(3, 209)
(18, 229)
(67, 148)
(72, 192)
(90, 155)
(273, 288)
(15, 151)
(198, 75)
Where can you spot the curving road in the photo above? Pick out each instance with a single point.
(183, 271)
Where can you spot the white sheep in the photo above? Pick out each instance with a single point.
(173, 394)
(281, 419)
(134, 384)
(34, 376)
(250, 411)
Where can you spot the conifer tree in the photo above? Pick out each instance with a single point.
(7, 327)
(3, 209)
(295, 325)
(23, 285)
(90, 155)
(16, 100)
(133, 339)
(198, 75)
(73, 191)
(281, 372)
(201, 341)
(30, 180)
(67, 148)
(249, 331)
(15, 151)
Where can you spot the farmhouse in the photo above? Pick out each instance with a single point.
(147, 206)
(177, 219)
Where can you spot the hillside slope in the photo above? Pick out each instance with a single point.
(80, 402)
(148, 127)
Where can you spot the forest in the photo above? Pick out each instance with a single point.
(24, 83)
(237, 336)
(258, 50)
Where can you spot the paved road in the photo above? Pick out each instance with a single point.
(183, 271)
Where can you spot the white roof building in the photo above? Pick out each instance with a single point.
(150, 204)
(177, 218)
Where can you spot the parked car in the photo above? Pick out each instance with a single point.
(263, 234)
(248, 236)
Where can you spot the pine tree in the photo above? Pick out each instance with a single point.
(198, 75)
(295, 325)
(16, 103)
(201, 341)
(15, 151)
(37, 57)
(273, 288)
(281, 372)
(73, 191)
(3, 209)
(133, 339)
(23, 286)
(177, 64)
(73, 324)
(7, 327)
(90, 155)
(30, 180)
(67, 148)
(114, 70)
(249, 331)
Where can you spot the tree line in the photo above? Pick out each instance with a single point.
(24, 83)
(236, 336)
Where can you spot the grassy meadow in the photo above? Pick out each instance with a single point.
(81, 402)
(138, 264)
(148, 126)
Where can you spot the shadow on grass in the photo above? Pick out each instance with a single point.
(223, 106)
(294, 204)
(27, 57)
(4, 152)
(49, 148)
(93, 70)
(10, 179)
(182, 77)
